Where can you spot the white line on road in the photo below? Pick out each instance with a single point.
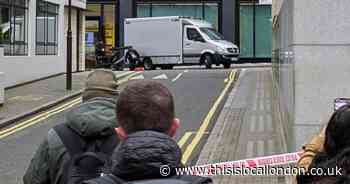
(177, 77)
(186, 71)
(162, 76)
(250, 148)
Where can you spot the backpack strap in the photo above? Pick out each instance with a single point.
(71, 140)
(109, 144)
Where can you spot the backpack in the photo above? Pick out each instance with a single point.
(89, 158)
(185, 179)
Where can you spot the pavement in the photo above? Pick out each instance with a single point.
(245, 127)
(195, 91)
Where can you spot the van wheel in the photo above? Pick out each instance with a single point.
(148, 65)
(227, 65)
(208, 61)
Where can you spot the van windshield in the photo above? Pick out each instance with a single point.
(212, 33)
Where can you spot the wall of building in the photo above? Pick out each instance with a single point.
(312, 66)
(20, 69)
(76, 38)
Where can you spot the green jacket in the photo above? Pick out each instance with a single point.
(89, 119)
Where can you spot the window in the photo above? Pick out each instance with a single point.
(192, 34)
(205, 11)
(46, 28)
(13, 27)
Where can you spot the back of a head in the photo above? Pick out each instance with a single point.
(100, 83)
(145, 105)
(337, 132)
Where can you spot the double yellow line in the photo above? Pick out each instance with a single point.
(36, 119)
(47, 114)
(203, 128)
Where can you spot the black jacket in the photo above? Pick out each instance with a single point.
(141, 156)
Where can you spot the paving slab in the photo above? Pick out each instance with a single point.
(245, 127)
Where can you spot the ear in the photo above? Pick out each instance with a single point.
(121, 133)
(174, 126)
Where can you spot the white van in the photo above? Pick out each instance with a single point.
(169, 41)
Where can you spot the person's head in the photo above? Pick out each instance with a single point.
(146, 105)
(100, 83)
(337, 135)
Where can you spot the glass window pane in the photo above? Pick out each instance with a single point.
(40, 27)
(109, 27)
(51, 28)
(191, 10)
(246, 31)
(93, 10)
(20, 24)
(263, 31)
(143, 10)
(4, 24)
(52, 8)
(22, 3)
(211, 14)
(4, 1)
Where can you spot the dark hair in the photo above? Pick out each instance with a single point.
(337, 133)
(145, 105)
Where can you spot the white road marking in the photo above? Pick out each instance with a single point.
(250, 148)
(162, 76)
(260, 148)
(186, 71)
(138, 77)
(177, 77)
(253, 124)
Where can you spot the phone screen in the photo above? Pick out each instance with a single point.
(340, 102)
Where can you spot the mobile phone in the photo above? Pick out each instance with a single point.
(340, 102)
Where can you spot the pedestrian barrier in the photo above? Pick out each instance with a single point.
(273, 160)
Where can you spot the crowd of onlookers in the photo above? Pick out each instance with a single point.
(126, 137)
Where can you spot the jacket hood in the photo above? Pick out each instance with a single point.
(142, 154)
(93, 118)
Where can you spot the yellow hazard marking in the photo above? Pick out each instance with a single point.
(184, 139)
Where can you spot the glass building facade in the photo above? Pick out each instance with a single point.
(100, 26)
(255, 22)
(205, 11)
(14, 27)
(255, 40)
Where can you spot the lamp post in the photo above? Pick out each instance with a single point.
(69, 48)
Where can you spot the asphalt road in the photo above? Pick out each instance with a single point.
(195, 91)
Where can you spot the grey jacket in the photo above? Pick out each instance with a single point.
(90, 119)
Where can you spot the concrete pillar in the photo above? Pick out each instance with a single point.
(228, 23)
(126, 10)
